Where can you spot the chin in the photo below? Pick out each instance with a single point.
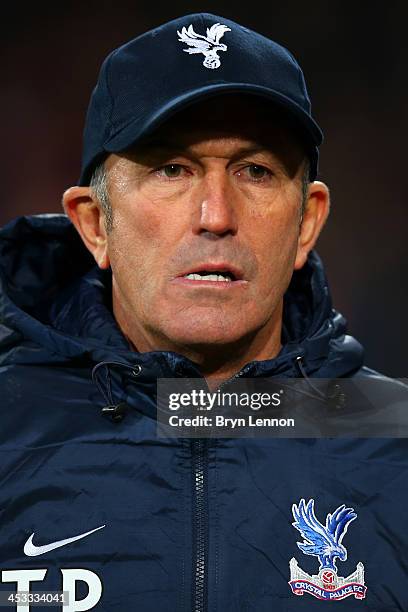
(205, 333)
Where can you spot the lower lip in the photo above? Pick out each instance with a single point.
(219, 285)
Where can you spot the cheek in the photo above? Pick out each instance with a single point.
(139, 222)
(276, 241)
(139, 246)
(130, 245)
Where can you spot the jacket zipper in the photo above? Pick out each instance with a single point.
(199, 450)
(199, 453)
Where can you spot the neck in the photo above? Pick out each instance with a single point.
(220, 362)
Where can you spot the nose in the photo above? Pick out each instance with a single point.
(216, 213)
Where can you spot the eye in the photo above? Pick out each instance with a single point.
(257, 172)
(170, 171)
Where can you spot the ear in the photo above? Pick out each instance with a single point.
(86, 214)
(314, 217)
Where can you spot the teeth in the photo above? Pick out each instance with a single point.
(209, 277)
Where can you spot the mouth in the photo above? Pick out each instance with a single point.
(220, 274)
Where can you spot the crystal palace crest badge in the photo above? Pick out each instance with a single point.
(324, 542)
(209, 45)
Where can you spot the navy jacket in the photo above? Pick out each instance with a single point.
(177, 525)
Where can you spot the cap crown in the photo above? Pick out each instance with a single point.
(148, 79)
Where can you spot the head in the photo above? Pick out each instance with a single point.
(220, 188)
(198, 197)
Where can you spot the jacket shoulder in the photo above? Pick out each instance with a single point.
(385, 389)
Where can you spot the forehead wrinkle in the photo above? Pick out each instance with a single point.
(159, 147)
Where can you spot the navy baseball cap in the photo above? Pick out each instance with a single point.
(144, 82)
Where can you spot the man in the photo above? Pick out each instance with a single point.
(198, 202)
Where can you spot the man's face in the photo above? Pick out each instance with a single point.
(206, 218)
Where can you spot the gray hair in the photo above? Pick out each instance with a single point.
(99, 186)
(305, 185)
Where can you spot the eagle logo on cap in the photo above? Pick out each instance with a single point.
(208, 45)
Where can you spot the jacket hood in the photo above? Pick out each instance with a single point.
(55, 308)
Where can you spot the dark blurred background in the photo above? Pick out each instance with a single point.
(354, 55)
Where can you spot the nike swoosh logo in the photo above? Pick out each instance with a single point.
(31, 550)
